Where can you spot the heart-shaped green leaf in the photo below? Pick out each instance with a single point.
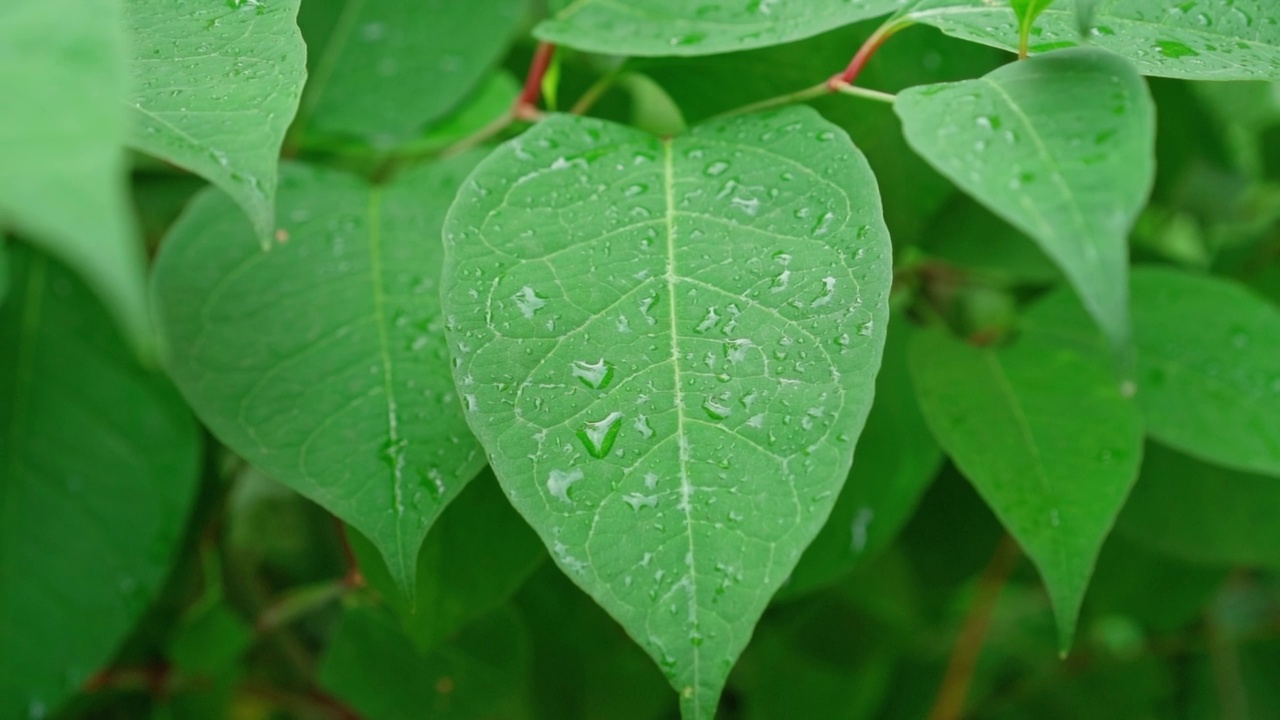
(216, 85)
(1202, 40)
(1048, 440)
(62, 167)
(1208, 368)
(668, 349)
(322, 360)
(99, 464)
(1062, 147)
(382, 69)
(680, 27)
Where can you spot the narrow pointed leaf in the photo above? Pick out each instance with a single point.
(62, 165)
(322, 360)
(1046, 438)
(99, 463)
(382, 69)
(1208, 368)
(1060, 146)
(668, 349)
(216, 85)
(1204, 40)
(679, 27)
(1203, 513)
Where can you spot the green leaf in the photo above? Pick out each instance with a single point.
(322, 360)
(1060, 146)
(970, 238)
(1205, 40)
(672, 342)
(370, 665)
(1208, 372)
(98, 468)
(1027, 11)
(474, 559)
(1203, 513)
(1049, 442)
(678, 27)
(885, 483)
(216, 85)
(62, 169)
(381, 70)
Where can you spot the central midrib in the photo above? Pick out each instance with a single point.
(686, 489)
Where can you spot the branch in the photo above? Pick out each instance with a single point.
(964, 656)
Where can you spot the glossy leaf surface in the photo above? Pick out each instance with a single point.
(1208, 372)
(1033, 142)
(668, 350)
(62, 168)
(1204, 40)
(99, 462)
(322, 359)
(678, 27)
(1049, 442)
(216, 85)
(383, 69)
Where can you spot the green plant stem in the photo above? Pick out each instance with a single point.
(964, 656)
(808, 93)
(855, 91)
(594, 93)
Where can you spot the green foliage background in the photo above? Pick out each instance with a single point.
(551, 360)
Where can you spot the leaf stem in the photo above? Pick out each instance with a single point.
(855, 91)
(869, 48)
(533, 80)
(964, 656)
(794, 97)
(594, 93)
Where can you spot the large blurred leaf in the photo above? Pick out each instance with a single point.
(1203, 512)
(382, 69)
(322, 360)
(896, 457)
(98, 468)
(1208, 364)
(969, 237)
(475, 557)
(1201, 40)
(373, 667)
(1061, 146)
(1047, 439)
(679, 27)
(671, 342)
(216, 85)
(62, 169)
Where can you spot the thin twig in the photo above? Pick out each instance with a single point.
(964, 656)
(847, 89)
(869, 48)
(594, 93)
(808, 93)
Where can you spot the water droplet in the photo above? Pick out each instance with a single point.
(715, 409)
(828, 291)
(858, 529)
(716, 168)
(709, 321)
(642, 426)
(637, 501)
(559, 482)
(651, 480)
(735, 351)
(596, 375)
(529, 301)
(598, 437)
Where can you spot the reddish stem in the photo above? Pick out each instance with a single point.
(528, 99)
(354, 578)
(863, 55)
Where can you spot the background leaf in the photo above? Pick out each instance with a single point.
(1208, 371)
(216, 85)
(1045, 436)
(1203, 513)
(699, 386)
(322, 360)
(62, 169)
(383, 69)
(1061, 146)
(98, 469)
(475, 558)
(1027, 11)
(676, 27)
(1206, 40)
(370, 665)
